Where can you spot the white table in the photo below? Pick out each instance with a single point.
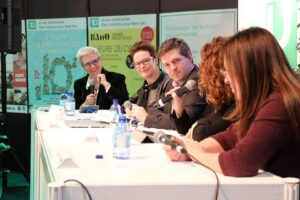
(60, 153)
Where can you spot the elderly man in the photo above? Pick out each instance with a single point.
(99, 86)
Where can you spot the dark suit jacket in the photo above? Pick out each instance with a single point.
(117, 90)
(194, 106)
(210, 123)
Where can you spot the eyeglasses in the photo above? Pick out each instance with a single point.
(144, 62)
(90, 63)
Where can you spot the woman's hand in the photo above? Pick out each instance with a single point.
(192, 146)
(173, 154)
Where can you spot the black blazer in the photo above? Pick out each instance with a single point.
(194, 106)
(118, 90)
(210, 123)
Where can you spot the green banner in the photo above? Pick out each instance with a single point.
(52, 66)
(278, 16)
(114, 35)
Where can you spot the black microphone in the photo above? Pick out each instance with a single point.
(190, 85)
(92, 86)
(160, 136)
(133, 122)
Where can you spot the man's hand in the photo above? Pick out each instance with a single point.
(101, 79)
(139, 113)
(90, 99)
(178, 102)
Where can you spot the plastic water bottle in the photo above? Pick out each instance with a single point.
(115, 109)
(63, 99)
(121, 140)
(70, 105)
(114, 120)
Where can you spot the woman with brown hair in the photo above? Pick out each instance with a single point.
(267, 95)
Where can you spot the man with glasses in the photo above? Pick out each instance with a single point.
(99, 86)
(156, 83)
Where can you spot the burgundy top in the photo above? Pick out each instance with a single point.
(269, 144)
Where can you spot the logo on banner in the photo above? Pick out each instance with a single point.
(94, 23)
(32, 25)
(147, 34)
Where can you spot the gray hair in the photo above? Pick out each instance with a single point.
(85, 51)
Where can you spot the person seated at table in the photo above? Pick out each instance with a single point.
(106, 85)
(218, 94)
(267, 95)
(176, 57)
(156, 83)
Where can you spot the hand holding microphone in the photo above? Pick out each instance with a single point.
(128, 107)
(92, 86)
(135, 111)
(174, 147)
(177, 103)
(189, 86)
(91, 98)
(175, 143)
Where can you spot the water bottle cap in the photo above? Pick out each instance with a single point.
(115, 101)
(70, 94)
(122, 118)
(63, 96)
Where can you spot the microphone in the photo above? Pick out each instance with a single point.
(127, 104)
(92, 86)
(134, 122)
(190, 85)
(160, 136)
(149, 133)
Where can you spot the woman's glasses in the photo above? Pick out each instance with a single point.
(144, 62)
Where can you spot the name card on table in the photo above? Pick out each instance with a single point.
(64, 160)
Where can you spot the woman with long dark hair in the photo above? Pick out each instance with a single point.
(266, 134)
